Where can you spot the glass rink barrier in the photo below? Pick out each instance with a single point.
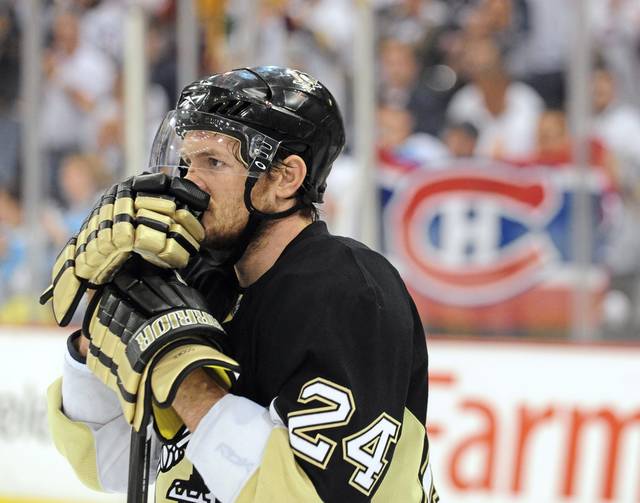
(492, 155)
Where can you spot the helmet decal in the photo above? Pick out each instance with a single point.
(306, 82)
(193, 101)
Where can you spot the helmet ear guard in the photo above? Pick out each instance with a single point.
(264, 152)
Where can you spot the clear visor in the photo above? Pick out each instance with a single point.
(188, 140)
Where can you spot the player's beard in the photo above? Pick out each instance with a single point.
(226, 230)
(225, 234)
(230, 247)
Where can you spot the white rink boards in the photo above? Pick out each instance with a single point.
(30, 466)
(511, 422)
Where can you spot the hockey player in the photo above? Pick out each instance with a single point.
(301, 376)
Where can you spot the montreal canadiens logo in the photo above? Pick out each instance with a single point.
(472, 235)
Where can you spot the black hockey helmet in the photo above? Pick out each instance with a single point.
(274, 112)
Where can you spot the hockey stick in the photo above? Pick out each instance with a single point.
(138, 467)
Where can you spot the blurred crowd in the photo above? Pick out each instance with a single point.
(455, 79)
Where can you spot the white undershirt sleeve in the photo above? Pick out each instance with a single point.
(87, 400)
(228, 445)
(84, 397)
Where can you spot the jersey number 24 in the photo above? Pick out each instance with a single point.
(366, 449)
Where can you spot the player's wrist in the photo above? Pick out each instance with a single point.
(82, 345)
(77, 348)
(195, 397)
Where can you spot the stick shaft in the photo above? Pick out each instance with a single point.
(138, 467)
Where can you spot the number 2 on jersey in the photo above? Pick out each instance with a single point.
(337, 412)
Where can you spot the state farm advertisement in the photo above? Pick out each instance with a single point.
(522, 422)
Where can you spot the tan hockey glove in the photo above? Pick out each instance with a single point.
(153, 215)
(148, 331)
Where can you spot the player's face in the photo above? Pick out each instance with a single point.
(215, 166)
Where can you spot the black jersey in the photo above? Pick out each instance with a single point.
(330, 337)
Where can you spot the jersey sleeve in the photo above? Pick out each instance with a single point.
(88, 428)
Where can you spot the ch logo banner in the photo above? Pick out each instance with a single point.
(474, 235)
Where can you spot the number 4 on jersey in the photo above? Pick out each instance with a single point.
(367, 450)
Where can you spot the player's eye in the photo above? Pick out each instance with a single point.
(214, 163)
(185, 161)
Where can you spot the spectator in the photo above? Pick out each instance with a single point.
(401, 151)
(9, 72)
(102, 26)
(540, 59)
(508, 22)
(162, 54)
(321, 30)
(505, 112)
(457, 11)
(400, 68)
(77, 77)
(460, 139)
(82, 176)
(397, 140)
(554, 149)
(411, 20)
(9, 57)
(272, 36)
(616, 31)
(312, 35)
(477, 23)
(617, 124)
(108, 138)
(622, 256)
(402, 86)
(14, 305)
(554, 145)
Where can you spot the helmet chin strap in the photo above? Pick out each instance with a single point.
(248, 187)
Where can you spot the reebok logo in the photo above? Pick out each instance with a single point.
(227, 452)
